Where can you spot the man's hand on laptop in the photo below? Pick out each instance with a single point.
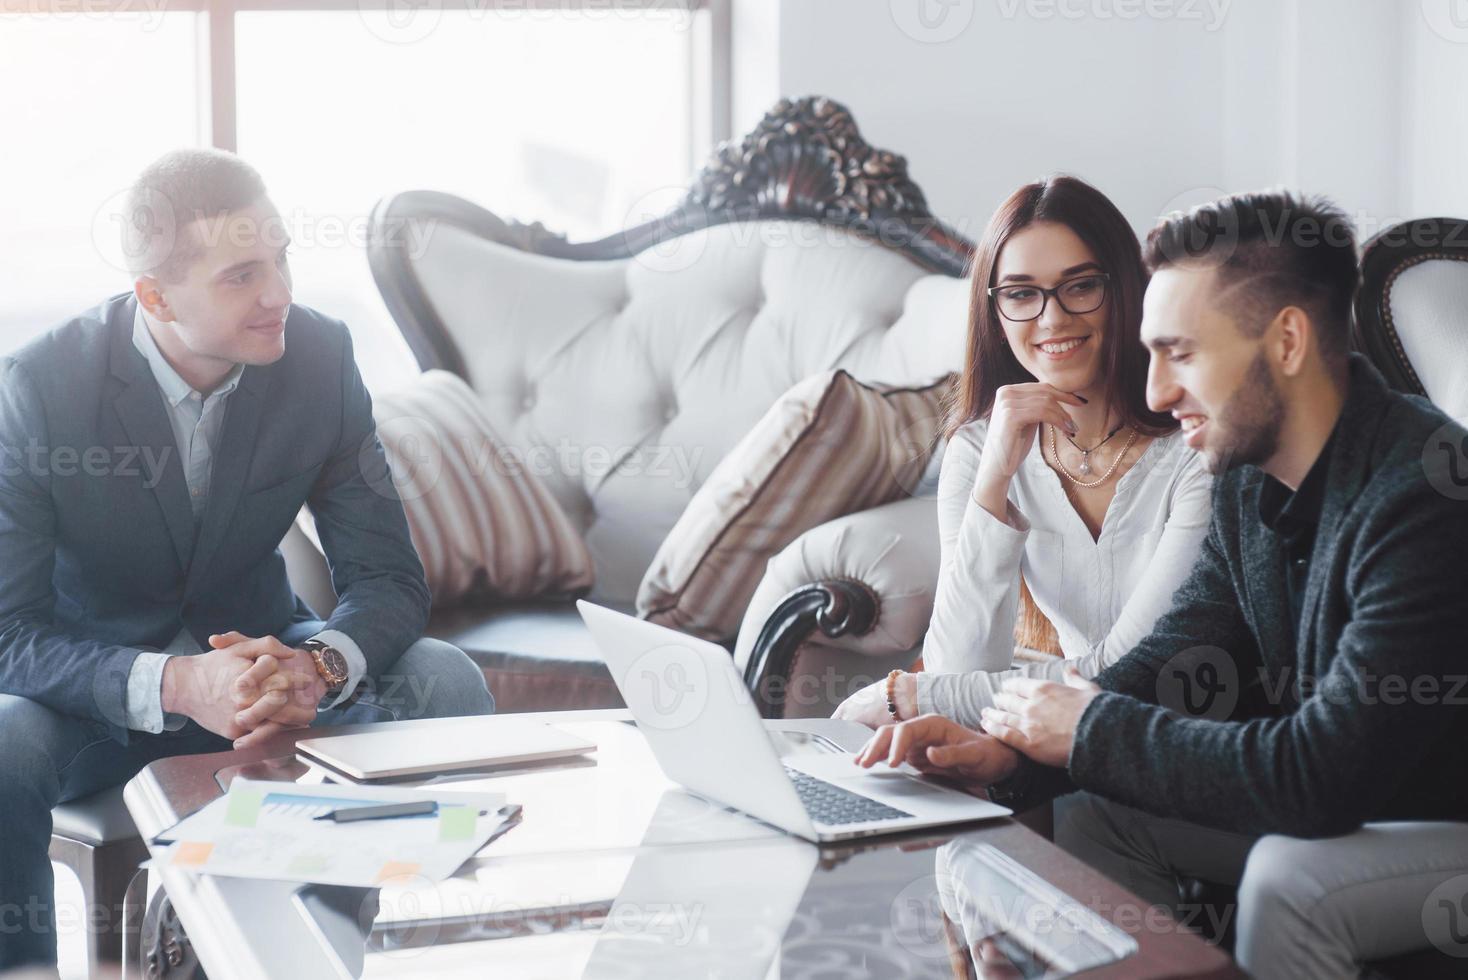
(939, 746)
(245, 688)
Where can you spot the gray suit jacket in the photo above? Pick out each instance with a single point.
(100, 552)
(1227, 716)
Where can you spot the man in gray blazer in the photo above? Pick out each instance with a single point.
(153, 453)
(1295, 724)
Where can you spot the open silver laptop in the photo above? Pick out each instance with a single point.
(702, 726)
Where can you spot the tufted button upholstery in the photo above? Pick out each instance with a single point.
(623, 383)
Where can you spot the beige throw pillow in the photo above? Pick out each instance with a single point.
(485, 527)
(830, 446)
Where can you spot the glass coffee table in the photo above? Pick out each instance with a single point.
(613, 871)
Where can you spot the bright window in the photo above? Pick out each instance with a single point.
(551, 116)
(89, 100)
(573, 117)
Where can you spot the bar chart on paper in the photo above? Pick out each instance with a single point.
(269, 830)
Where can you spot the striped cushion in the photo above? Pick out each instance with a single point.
(830, 446)
(484, 526)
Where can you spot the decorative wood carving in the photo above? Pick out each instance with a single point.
(807, 158)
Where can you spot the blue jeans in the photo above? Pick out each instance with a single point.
(49, 758)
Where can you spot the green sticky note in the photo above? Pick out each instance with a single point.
(309, 863)
(456, 822)
(244, 809)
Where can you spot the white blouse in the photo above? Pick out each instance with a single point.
(1102, 595)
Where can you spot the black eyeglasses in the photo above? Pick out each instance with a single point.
(1081, 294)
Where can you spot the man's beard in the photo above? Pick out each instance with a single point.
(1249, 424)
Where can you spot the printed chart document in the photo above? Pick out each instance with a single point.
(263, 829)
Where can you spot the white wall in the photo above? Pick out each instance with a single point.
(755, 66)
(1160, 110)
(1347, 68)
(1435, 116)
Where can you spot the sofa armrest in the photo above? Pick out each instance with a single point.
(862, 584)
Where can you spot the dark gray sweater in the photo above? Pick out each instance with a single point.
(1225, 716)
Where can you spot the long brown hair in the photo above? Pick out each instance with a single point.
(990, 364)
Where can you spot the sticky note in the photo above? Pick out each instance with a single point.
(456, 822)
(308, 864)
(192, 853)
(395, 869)
(244, 809)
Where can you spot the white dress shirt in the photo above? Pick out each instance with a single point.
(197, 421)
(1102, 595)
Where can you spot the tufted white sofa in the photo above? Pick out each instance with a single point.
(624, 382)
(622, 371)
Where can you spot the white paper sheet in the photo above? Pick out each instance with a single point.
(263, 829)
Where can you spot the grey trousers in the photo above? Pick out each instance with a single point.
(1307, 908)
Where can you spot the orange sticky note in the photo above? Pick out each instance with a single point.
(394, 869)
(193, 852)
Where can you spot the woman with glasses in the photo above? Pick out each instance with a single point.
(1062, 497)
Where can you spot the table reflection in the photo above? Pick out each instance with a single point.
(762, 907)
(662, 883)
(1006, 927)
(702, 896)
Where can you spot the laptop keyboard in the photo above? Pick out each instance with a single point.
(827, 803)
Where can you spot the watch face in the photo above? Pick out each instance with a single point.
(330, 662)
(334, 661)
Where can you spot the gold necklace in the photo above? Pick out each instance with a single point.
(1055, 454)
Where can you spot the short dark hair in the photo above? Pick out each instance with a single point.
(1279, 249)
(178, 188)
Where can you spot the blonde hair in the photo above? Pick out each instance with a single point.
(172, 192)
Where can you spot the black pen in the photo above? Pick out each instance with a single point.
(351, 814)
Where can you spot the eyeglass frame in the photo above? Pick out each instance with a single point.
(1046, 294)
